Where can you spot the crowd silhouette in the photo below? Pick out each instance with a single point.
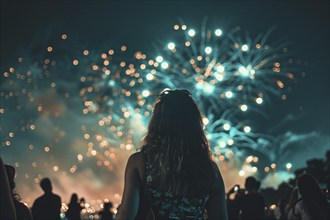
(304, 199)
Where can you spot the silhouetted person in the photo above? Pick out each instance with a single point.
(233, 210)
(312, 203)
(22, 211)
(7, 210)
(106, 213)
(74, 208)
(173, 175)
(47, 206)
(82, 202)
(281, 211)
(249, 201)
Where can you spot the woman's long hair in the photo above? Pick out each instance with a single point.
(313, 198)
(178, 146)
(11, 176)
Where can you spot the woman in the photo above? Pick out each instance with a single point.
(173, 175)
(74, 208)
(312, 203)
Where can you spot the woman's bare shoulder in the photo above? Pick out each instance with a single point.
(216, 169)
(136, 156)
(136, 161)
(219, 184)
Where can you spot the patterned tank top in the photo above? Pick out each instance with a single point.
(166, 205)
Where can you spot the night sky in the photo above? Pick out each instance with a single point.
(28, 26)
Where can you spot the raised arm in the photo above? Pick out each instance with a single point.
(131, 195)
(216, 206)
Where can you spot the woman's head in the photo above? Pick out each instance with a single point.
(176, 117)
(252, 184)
(74, 198)
(11, 175)
(176, 138)
(46, 185)
(108, 206)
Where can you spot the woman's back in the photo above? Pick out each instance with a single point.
(166, 204)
